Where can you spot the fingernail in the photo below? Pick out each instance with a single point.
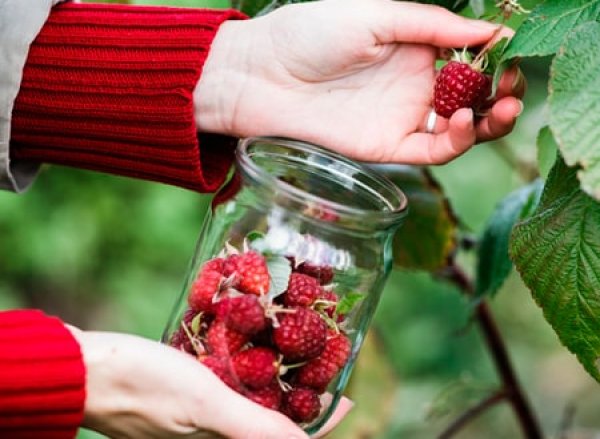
(522, 107)
(518, 81)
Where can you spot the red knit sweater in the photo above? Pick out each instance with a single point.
(106, 88)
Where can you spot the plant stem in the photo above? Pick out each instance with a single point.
(516, 396)
(469, 415)
(497, 348)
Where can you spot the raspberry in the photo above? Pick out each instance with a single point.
(230, 265)
(300, 335)
(180, 340)
(253, 274)
(214, 264)
(302, 290)
(323, 273)
(301, 404)
(223, 341)
(245, 314)
(269, 397)
(255, 367)
(318, 373)
(222, 368)
(204, 289)
(459, 85)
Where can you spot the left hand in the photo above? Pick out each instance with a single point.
(355, 76)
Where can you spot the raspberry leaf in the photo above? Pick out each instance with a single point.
(545, 28)
(427, 238)
(279, 270)
(557, 255)
(575, 104)
(547, 149)
(478, 7)
(195, 324)
(348, 302)
(254, 235)
(497, 65)
(493, 263)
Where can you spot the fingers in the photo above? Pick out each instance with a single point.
(500, 119)
(344, 406)
(433, 25)
(429, 149)
(513, 83)
(252, 421)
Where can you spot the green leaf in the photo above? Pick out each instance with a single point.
(254, 235)
(478, 7)
(493, 263)
(464, 392)
(557, 253)
(280, 270)
(195, 324)
(348, 302)
(545, 28)
(428, 236)
(575, 104)
(547, 149)
(496, 65)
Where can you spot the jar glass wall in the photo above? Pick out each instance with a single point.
(287, 274)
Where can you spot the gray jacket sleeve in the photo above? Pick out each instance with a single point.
(20, 22)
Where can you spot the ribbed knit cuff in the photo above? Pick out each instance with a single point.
(109, 88)
(42, 377)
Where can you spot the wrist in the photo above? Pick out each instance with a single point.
(223, 77)
(102, 382)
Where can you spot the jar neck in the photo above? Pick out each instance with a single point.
(319, 185)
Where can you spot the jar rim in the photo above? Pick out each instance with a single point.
(395, 200)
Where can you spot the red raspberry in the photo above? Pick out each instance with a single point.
(180, 340)
(318, 373)
(204, 289)
(302, 290)
(244, 314)
(323, 273)
(459, 85)
(223, 341)
(255, 367)
(230, 265)
(214, 264)
(301, 404)
(222, 368)
(253, 274)
(269, 397)
(300, 335)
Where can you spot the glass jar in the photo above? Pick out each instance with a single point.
(287, 275)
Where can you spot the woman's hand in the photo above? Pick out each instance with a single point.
(356, 76)
(137, 388)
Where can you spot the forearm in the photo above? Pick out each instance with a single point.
(42, 377)
(110, 88)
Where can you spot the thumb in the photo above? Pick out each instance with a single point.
(403, 22)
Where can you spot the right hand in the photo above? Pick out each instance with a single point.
(137, 388)
(355, 76)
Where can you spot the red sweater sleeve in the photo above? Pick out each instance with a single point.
(42, 377)
(109, 88)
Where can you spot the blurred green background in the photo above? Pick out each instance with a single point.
(109, 253)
